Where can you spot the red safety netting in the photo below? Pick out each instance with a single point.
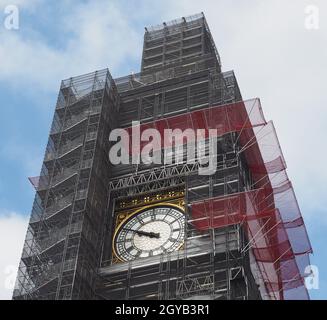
(270, 212)
(268, 236)
(282, 250)
(223, 119)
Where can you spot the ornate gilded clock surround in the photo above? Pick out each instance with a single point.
(125, 209)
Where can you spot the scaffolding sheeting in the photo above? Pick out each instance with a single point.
(270, 202)
(235, 117)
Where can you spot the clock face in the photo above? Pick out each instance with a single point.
(151, 232)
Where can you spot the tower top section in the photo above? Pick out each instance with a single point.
(179, 42)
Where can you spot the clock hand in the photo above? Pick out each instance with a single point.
(144, 233)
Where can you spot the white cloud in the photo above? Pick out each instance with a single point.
(30, 161)
(12, 234)
(96, 36)
(21, 3)
(30, 6)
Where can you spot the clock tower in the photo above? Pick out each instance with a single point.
(155, 231)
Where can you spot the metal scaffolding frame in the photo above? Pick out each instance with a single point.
(61, 251)
(79, 193)
(211, 264)
(63, 241)
(180, 41)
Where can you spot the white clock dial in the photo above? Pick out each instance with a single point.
(149, 233)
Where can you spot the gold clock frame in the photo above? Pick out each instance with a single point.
(177, 204)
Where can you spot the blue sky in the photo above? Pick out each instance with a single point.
(274, 56)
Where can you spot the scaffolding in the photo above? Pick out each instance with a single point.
(244, 234)
(61, 251)
(180, 41)
(243, 220)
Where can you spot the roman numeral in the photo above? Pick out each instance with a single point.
(138, 254)
(168, 211)
(129, 249)
(140, 220)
